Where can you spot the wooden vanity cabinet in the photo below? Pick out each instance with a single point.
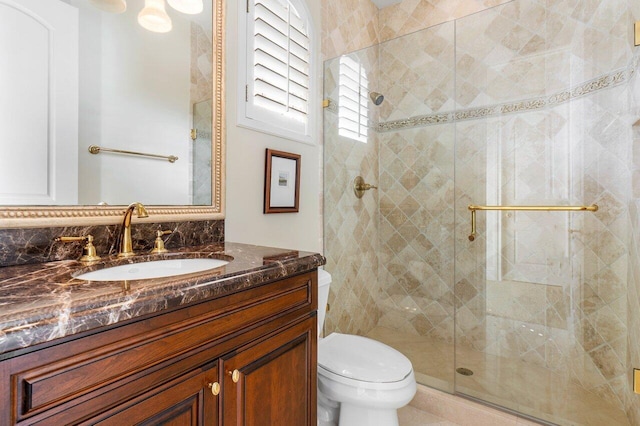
(245, 358)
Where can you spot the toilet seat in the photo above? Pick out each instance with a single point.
(350, 359)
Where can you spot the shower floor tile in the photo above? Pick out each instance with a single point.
(510, 383)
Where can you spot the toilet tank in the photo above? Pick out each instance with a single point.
(324, 282)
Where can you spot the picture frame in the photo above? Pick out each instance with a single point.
(281, 182)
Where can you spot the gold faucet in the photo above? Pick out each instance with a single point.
(125, 249)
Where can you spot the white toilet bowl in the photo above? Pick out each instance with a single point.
(361, 382)
(367, 379)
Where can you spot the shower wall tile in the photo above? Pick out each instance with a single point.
(351, 224)
(604, 236)
(416, 230)
(577, 313)
(504, 55)
(200, 185)
(201, 64)
(523, 321)
(593, 133)
(347, 26)
(352, 25)
(201, 70)
(632, 401)
(527, 49)
(416, 73)
(414, 15)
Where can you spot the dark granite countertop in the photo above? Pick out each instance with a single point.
(43, 302)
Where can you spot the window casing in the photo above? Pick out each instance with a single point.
(278, 84)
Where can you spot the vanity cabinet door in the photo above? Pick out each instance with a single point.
(156, 370)
(274, 381)
(189, 400)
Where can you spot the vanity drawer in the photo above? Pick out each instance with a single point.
(64, 376)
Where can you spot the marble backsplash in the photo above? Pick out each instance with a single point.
(37, 245)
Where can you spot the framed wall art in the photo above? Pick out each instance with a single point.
(281, 182)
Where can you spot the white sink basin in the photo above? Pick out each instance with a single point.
(152, 269)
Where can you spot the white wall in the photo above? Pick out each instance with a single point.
(245, 222)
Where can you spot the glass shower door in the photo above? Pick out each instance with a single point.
(539, 325)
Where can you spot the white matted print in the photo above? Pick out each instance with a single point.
(283, 180)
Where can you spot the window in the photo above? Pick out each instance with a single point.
(278, 65)
(354, 109)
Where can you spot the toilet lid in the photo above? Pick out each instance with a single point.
(362, 359)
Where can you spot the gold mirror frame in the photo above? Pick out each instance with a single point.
(33, 217)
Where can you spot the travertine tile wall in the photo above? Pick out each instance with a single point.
(201, 154)
(201, 89)
(417, 185)
(201, 64)
(573, 300)
(414, 15)
(600, 311)
(530, 58)
(632, 401)
(348, 26)
(351, 224)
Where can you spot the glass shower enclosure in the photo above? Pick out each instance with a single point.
(524, 104)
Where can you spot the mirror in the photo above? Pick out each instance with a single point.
(97, 111)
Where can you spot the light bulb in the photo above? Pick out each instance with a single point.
(154, 17)
(111, 6)
(190, 7)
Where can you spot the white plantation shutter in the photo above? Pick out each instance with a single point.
(353, 107)
(278, 65)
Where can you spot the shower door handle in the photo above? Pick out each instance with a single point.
(474, 208)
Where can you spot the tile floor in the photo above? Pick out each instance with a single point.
(411, 416)
(431, 407)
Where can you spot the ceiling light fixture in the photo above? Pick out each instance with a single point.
(111, 6)
(154, 17)
(190, 7)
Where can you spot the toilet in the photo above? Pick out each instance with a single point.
(361, 382)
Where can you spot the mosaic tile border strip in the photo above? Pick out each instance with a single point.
(613, 79)
(607, 81)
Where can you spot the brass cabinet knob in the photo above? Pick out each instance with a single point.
(235, 375)
(215, 388)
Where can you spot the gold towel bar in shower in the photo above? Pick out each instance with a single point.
(473, 208)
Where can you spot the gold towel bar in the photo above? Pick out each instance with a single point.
(592, 208)
(94, 149)
(473, 208)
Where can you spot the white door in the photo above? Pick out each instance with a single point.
(38, 102)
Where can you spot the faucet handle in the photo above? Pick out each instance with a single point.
(159, 244)
(89, 250)
(360, 186)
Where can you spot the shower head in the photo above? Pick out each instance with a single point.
(376, 98)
